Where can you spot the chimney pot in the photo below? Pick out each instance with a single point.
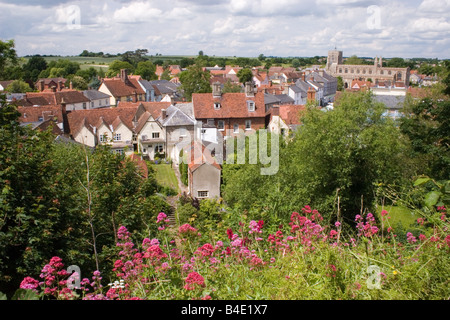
(163, 113)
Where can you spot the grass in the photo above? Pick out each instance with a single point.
(401, 215)
(166, 176)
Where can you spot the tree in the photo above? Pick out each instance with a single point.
(195, 80)
(341, 153)
(18, 86)
(34, 66)
(231, 87)
(245, 75)
(396, 63)
(146, 69)
(427, 125)
(354, 60)
(295, 63)
(116, 66)
(8, 58)
(134, 57)
(78, 83)
(340, 83)
(426, 68)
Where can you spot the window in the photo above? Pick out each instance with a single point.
(389, 72)
(119, 151)
(381, 72)
(159, 148)
(216, 105)
(117, 137)
(248, 124)
(340, 70)
(155, 135)
(103, 137)
(399, 76)
(106, 101)
(92, 104)
(202, 194)
(210, 122)
(251, 105)
(236, 128)
(84, 105)
(346, 70)
(100, 103)
(129, 99)
(221, 125)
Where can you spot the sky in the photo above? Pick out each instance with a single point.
(244, 28)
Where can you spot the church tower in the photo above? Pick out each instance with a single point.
(334, 59)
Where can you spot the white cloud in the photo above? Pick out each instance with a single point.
(136, 12)
(436, 6)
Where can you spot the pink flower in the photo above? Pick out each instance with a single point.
(161, 217)
(193, 280)
(187, 229)
(384, 213)
(29, 283)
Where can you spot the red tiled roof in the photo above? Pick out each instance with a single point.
(233, 105)
(32, 114)
(92, 117)
(200, 155)
(119, 88)
(64, 96)
(291, 113)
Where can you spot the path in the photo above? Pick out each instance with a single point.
(173, 200)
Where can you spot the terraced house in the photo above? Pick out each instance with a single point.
(231, 112)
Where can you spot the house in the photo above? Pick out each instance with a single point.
(149, 131)
(297, 94)
(204, 173)
(179, 124)
(43, 117)
(260, 78)
(97, 99)
(285, 118)
(72, 99)
(122, 88)
(48, 84)
(326, 81)
(111, 126)
(231, 113)
(165, 88)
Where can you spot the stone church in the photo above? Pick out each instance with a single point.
(376, 72)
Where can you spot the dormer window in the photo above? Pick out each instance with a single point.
(216, 105)
(251, 105)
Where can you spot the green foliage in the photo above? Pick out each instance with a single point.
(354, 60)
(117, 65)
(195, 80)
(245, 75)
(8, 59)
(427, 125)
(231, 87)
(61, 199)
(18, 86)
(340, 153)
(34, 66)
(146, 69)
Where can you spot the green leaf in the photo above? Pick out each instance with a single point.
(421, 181)
(3, 296)
(25, 294)
(431, 198)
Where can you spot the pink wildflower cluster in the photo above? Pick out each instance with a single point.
(307, 227)
(193, 281)
(186, 230)
(367, 228)
(162, 220)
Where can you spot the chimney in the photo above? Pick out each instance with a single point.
(59, 87)
(71, 85)
(163, 114)
(311, 95)
(249, 91)
(216, 89)
(303, 76)
(124, 75)
(41, 85)
(66, 128)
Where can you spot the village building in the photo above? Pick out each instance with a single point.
(376, 72)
